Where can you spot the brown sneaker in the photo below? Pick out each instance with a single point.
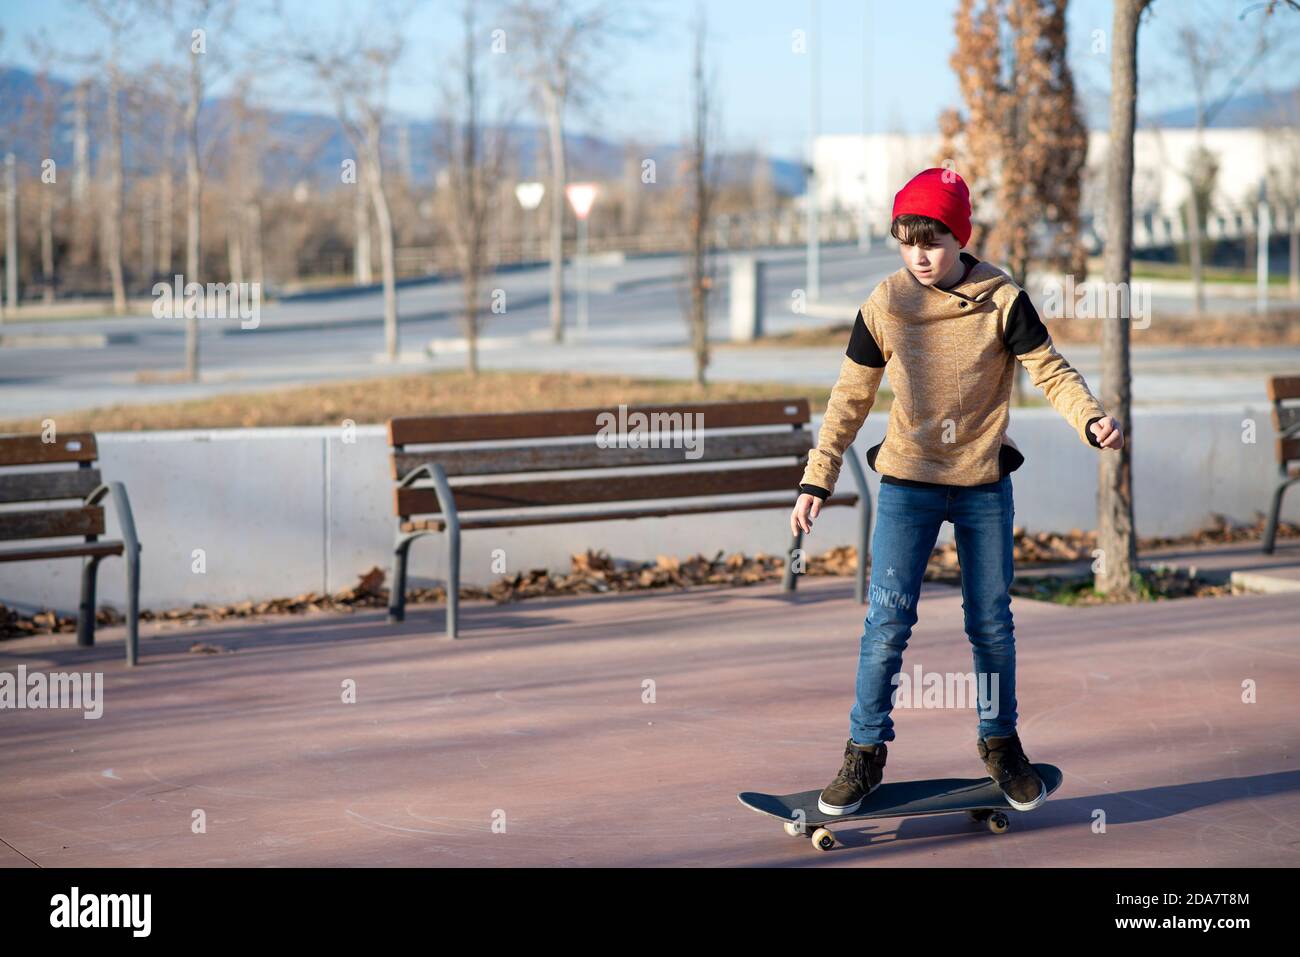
(863, 768)
(1007, 765)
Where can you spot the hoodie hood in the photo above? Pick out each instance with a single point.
(902, 295)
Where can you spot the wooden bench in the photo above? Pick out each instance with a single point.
(1284, 393)
(525, 489)
(46, 487)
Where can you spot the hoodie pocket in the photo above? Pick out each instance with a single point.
(871, 455)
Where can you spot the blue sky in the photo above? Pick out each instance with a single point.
(883, 70)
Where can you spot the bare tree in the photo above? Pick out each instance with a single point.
(116, 16)
(1116, 536)
(557, 46)
(243, 157)
(474, 159)
(1283, 146)
(700, 194)
(1024, 143)
(356, 71)
(200, 30)
(1217, 63)
(47, 111)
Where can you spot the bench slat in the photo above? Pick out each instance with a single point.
(664, 511)
(621, 488)
(73, 550)
(1287, 449)
(1283, 387)
(1285, 416)
(51, 522)
(30, 450)
(46, 486)
(587, 455)
(423, 430)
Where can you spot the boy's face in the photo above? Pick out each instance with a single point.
(938, 263)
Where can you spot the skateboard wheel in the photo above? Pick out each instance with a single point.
(794, 829)
(998, 822)
(823, 839)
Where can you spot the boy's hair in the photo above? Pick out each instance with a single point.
(912, 229)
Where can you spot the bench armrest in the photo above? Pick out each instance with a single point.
(441, 487)
(410, 478)
(122, 506)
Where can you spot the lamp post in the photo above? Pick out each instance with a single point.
(581, 197)
(530, 196)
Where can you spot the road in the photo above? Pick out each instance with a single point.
(636, 326)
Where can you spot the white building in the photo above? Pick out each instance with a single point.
(862, 173)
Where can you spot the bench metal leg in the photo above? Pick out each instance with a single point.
(453, 580)
(86, 612)
(788, 582)
(864, 555)
(397, 589)
(132, 605)
(397, 593)
(1275, 510)
(130, 552)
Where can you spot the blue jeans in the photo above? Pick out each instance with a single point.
(907, 527)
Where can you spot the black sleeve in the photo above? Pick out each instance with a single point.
(1024, 331)
(862, 346)
(816, 490)
(1088, 430)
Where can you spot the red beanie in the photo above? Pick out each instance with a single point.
(940, 194)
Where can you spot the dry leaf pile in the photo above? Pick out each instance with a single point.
(596, 572)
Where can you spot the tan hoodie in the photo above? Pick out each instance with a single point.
(951, 357)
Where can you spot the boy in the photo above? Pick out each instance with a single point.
(950, 329)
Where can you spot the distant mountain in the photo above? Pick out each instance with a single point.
(1281, 108)
(311, 146)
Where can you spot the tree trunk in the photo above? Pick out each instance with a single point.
(165, 217)
(1118, 545)
(1295, 252)
(375, 177)
(82, 224)
(235, 242)
(255, 241)
(555, 133)
(11, 234)
(1194, 250)
(113, 230)
(361, 272)
(471, 321)
(47, 245)
(193, 211)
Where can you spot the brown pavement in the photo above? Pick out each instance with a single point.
(540, 717)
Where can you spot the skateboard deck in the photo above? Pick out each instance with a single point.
(980, 798)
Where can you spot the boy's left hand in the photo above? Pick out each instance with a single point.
(1108, 433)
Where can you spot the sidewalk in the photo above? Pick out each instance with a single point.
(538, 718)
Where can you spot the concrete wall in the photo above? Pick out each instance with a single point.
(278, 512)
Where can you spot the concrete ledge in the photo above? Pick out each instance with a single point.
(58, 340)
(1271, 582)
(268, 513)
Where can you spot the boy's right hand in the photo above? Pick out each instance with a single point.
(806, 508)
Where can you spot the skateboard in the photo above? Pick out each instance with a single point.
(981, 799)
